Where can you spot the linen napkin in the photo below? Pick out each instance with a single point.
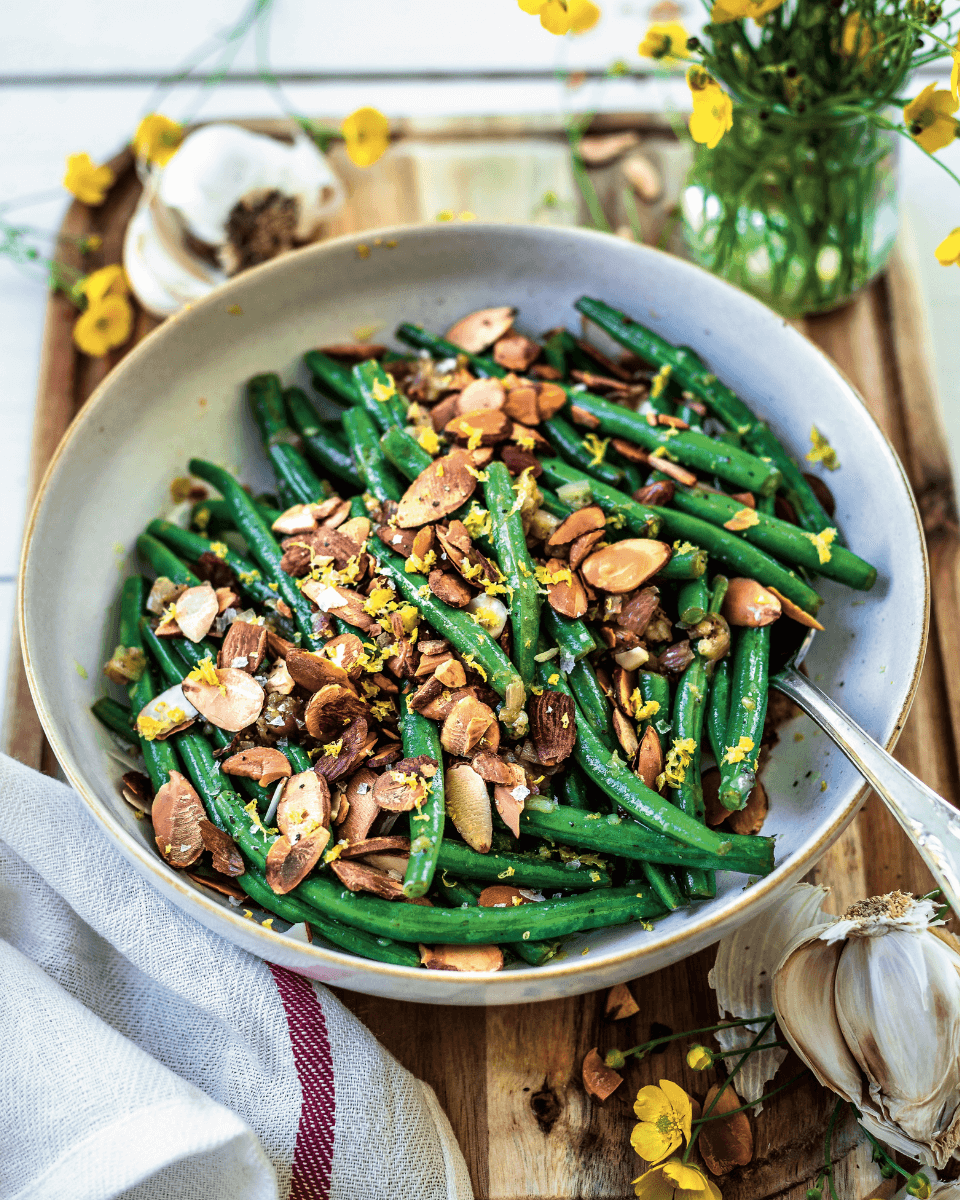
(144, 1057)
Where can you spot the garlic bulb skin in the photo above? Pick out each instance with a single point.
(218, 165)
(871, 1003)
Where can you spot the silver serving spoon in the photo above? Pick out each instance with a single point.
(928, 820)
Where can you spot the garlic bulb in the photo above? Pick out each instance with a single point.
(228, 199)
(871, 1003)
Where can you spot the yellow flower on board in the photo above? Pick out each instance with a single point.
(725, 11)
(929, 120)
(675, 1180)
(712, 108)
(108, 281)
(157, 139)
(948, 252)
(665, 1116)
(366, 134)
(107, 323)
(86, 180)
(664, 41)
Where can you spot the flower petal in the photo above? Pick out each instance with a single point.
(686, 1179)
(652, 1186)
(948, 252)
(651, 1144)
(651, 1103)
(680, 1103)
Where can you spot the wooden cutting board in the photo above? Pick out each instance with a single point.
(509, 1077)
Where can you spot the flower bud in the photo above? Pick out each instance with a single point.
(699, 1058)
(918, 1185)
(615, 1059)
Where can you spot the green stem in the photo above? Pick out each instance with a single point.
(753, 1103)
(672, 1037)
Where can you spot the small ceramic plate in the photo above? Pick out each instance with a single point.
(181, 393)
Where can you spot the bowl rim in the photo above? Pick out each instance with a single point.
(751, 901)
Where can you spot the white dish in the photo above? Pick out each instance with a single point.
(180, 393)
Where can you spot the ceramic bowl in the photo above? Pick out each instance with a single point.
(180, 393)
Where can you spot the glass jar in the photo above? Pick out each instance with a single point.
(799, 213)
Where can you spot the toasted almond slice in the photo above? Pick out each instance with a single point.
(482, 393)
(584, 520)
(168, 713)
(299, 518)
(465, 725)
(197, 610)
(468, 806)
(376, 845)
(624, 682)
(599, 1080)
(450, 588)
(451, 673)
(362, 808)
(262, 763)
(580, 416)
(346, 651)
(483, 427)
(510, 798)
(228, 598)
(217, 883)
(675, 471)
(626, 734)
(304, 805)
(515, 352)
(567, 597)
(479, 330)
(357, 529)
(639, 610)
(137, 790)
(359, 877)
(751, 817)
(747, 499)
(742, 519)
(462, 958)
(553, 726)
(661, 492)
(244, 646)
(580, 547)
(550, 399)
(437, 491)
(288, 863)
(397, 790)
(795, 612)
(502, 895)
(521, 404)
(620, 1003)
(676, 658)
(176, 815)
(330, 709)
(314, 671)
(749, 604)
(492, 768)
(280, 680)
(625, 565)
(226, 857)
(233, 708)
(163, 593)
(394, 864)
(650, 758)
(671, 422)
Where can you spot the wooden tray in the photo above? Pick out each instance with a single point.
(509, 1077)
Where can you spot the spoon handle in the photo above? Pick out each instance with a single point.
(929, 821)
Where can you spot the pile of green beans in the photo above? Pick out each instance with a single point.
(597, 843)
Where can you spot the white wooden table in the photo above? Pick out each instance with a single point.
(78, 76)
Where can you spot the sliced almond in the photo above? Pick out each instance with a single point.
(394, 864)
(550, 399)
(751, 817)
(566, 596)
(163, 593)
(226, 857)
(744, 518)
(355, 743)
(363, 808)
(399, 791)
(244, 646)
(437, 491)
(443, 412)
(492, 768)
(749, 604)
(465, 725)
(521, 404)
(355, 351)
(637, 613)
(468, 806)
(429, 663)
(462, 958)
(580, 547)
(176, 815)
(451, 673)
(599, 1080)
(747, 499)
(357, 529)
(483, 427)
(502, 895)
(515, 352)
(236, 706)
(262, 763)
(625, 565)
(620, 1003)
(217, 883)
(584, 520)
(580, 416)
(671, 422)
(298, 518)
(314, 671)
(650, 758)
(346, 651)
(675, 471)
(626, 733)
(511, 797)
(280, 680)
(479, 330)
(137, 790)
(482, 393)
(450, 588)
(376, 845)
(661, 493)
(304, 805)
(553, 726)
(332, 512)
(340, 602)
(228, 598)
(197, 610)
(795, 612)
(288, 863)
(676, 658)
(331, 708)
(360, 877)
(168, 713)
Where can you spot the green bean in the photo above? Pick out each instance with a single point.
(569, 443)
(718, 712)
(210, 516)
(468, 638)
(517, 565)
(133, 594)
(165, 562)
(748, 708)
(562, 352)
(330, 374)
(265, 396)
(171, 664)
(158, 757)
(294, 475)
(116, 717)
(457, 895)
(420, 736)
(192, 545)
(570, 633)
(324, 446)
(655, 689)
(796, 488)
(686, 562)
(639, 519)
(693, 600)
(521, 870)
(439, 347)
(591, 699)
(402, 450)
(623, 837)
(573, 789)
(780, 538)
(379, 396)
(552, 503)
(379, 478)
(261, 543)
(664, 886)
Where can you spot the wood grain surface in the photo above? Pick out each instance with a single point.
(509, 1077)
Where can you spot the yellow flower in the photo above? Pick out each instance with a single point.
(856, 38)
(667, 41)
(665, 1117)
(928, 118)
(675, 1180)
(955, 73)
(948, 252)
(106, 323)
(563, 16)
(366, 134)
(699, 1058)
(87, 181)
(725, 11)
(712, 108)
(584, 14)
(108, 281)
(157, 139)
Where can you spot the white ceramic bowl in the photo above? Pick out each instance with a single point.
(180, 393)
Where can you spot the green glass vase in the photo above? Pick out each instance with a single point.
(801, 213)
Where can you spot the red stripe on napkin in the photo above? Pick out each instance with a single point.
(313, 1155)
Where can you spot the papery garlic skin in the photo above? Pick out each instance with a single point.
(871, 1003)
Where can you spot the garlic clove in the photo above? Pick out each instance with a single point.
(163, 274)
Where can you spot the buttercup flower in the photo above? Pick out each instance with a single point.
(929, 119)
(106, 323)
(955, 73)
(157, 139)
(856, 38)
(563, 16)
(665, 1116)
(108, 281)
(366, 134)
(699, 1058)
(86, 180)
(948, 252)
(712, 108)
(675, 1180)
(725, 11)
(664, 41)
